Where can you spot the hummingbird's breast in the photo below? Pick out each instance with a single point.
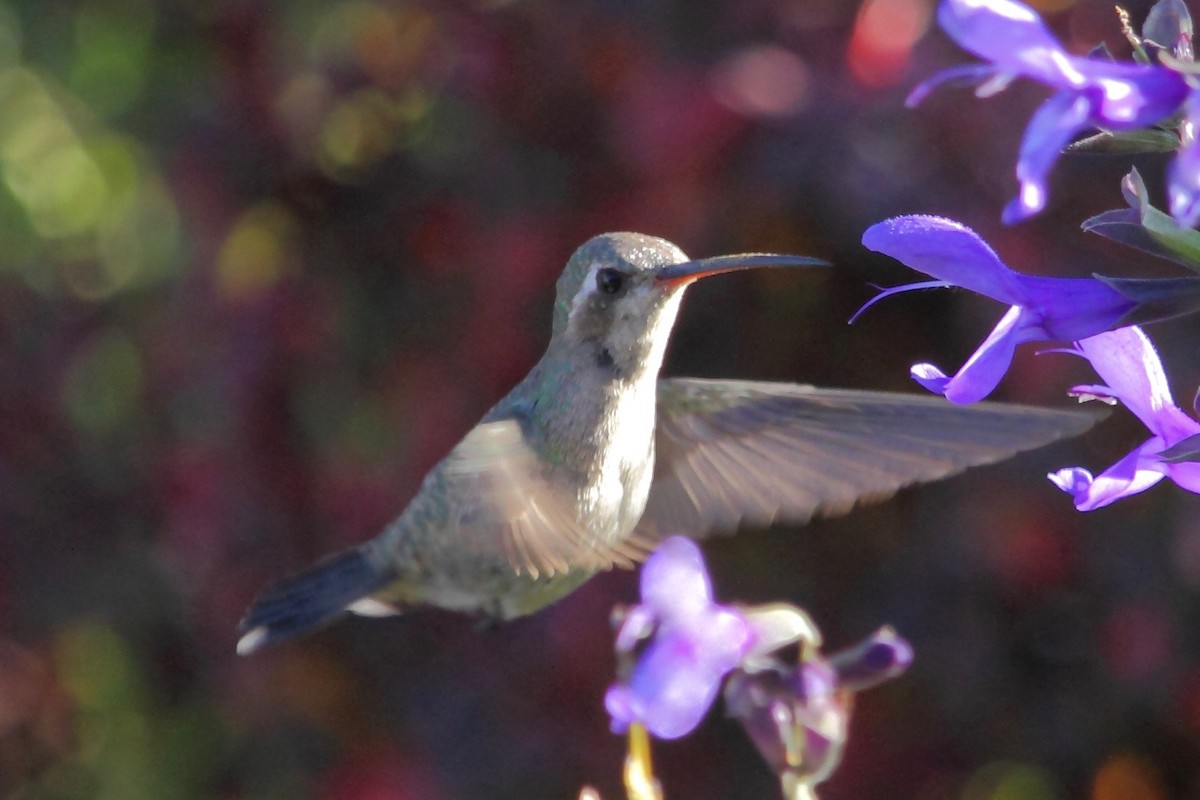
(562, 474)
(621, 463)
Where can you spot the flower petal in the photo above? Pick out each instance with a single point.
(721, 639)
(637, 626)
(623, 707)
(693, 643)
(1012, 36)
(1070, 309)
(987, 365)
(1132, 95)
(1129, 366)
(674, 583)
(778, 625)
(946, 250)
(881, 657)
(1053, 126)
(670, 690)
(1088, 392)
(1129, 476)
(930, 377)
(1183, 175)
(1186, 475)
(1075, 481)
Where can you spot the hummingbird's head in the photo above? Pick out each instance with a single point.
(610, 300)
(620, 292)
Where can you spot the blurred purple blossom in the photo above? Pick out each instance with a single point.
(798, 716)
(677, 645)
(693, 644)
(1042, 309)
(1133, 375)
(1091, 92)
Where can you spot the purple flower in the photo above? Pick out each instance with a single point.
(1041, 309)
(693, 644)
(1092, 92)
(798, 716)
(1127, 363)
(1183, 176)
(880, 657)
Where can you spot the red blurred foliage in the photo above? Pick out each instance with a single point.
(420, 198)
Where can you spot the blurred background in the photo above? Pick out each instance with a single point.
(262, 265)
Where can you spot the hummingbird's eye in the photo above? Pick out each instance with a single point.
(610, 281)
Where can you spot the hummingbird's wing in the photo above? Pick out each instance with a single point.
(501, 495)
(733, 452)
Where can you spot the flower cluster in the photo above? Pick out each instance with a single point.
(677, 647)
(1040, 309)
(1132, 374)
(1095, 315)
(1090, 91)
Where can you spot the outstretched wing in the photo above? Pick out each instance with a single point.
(494, 493)
(743, 452)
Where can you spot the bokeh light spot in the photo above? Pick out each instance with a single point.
(93, 664)
(884, 34)
(84, 207)
(112, 46)
(1127, 776)
(1007, 780)
(1137, 641)
(336, 37)
(103, 384)
(119, 742)
(257, 252)
(44, 163)
(301, 103)
(766, 81)
(358, 133)
(389, 49)
(141, 245)
(343, 135)
(10, 38)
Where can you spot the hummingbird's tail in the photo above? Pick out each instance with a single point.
(314, 597)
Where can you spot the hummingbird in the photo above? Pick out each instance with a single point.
(593, 458)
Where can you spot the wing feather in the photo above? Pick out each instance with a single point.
(507, 499)
(735, 452)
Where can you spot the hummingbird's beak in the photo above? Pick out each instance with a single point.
(681, 274)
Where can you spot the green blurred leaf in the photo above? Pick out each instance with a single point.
(1146, 228)
(1186, 451)
(112, 47)
(1157, 298)
(1147, 140)
(103, 385)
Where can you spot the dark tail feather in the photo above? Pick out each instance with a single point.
(312, 598)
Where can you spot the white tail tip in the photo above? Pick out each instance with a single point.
(252, 640)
